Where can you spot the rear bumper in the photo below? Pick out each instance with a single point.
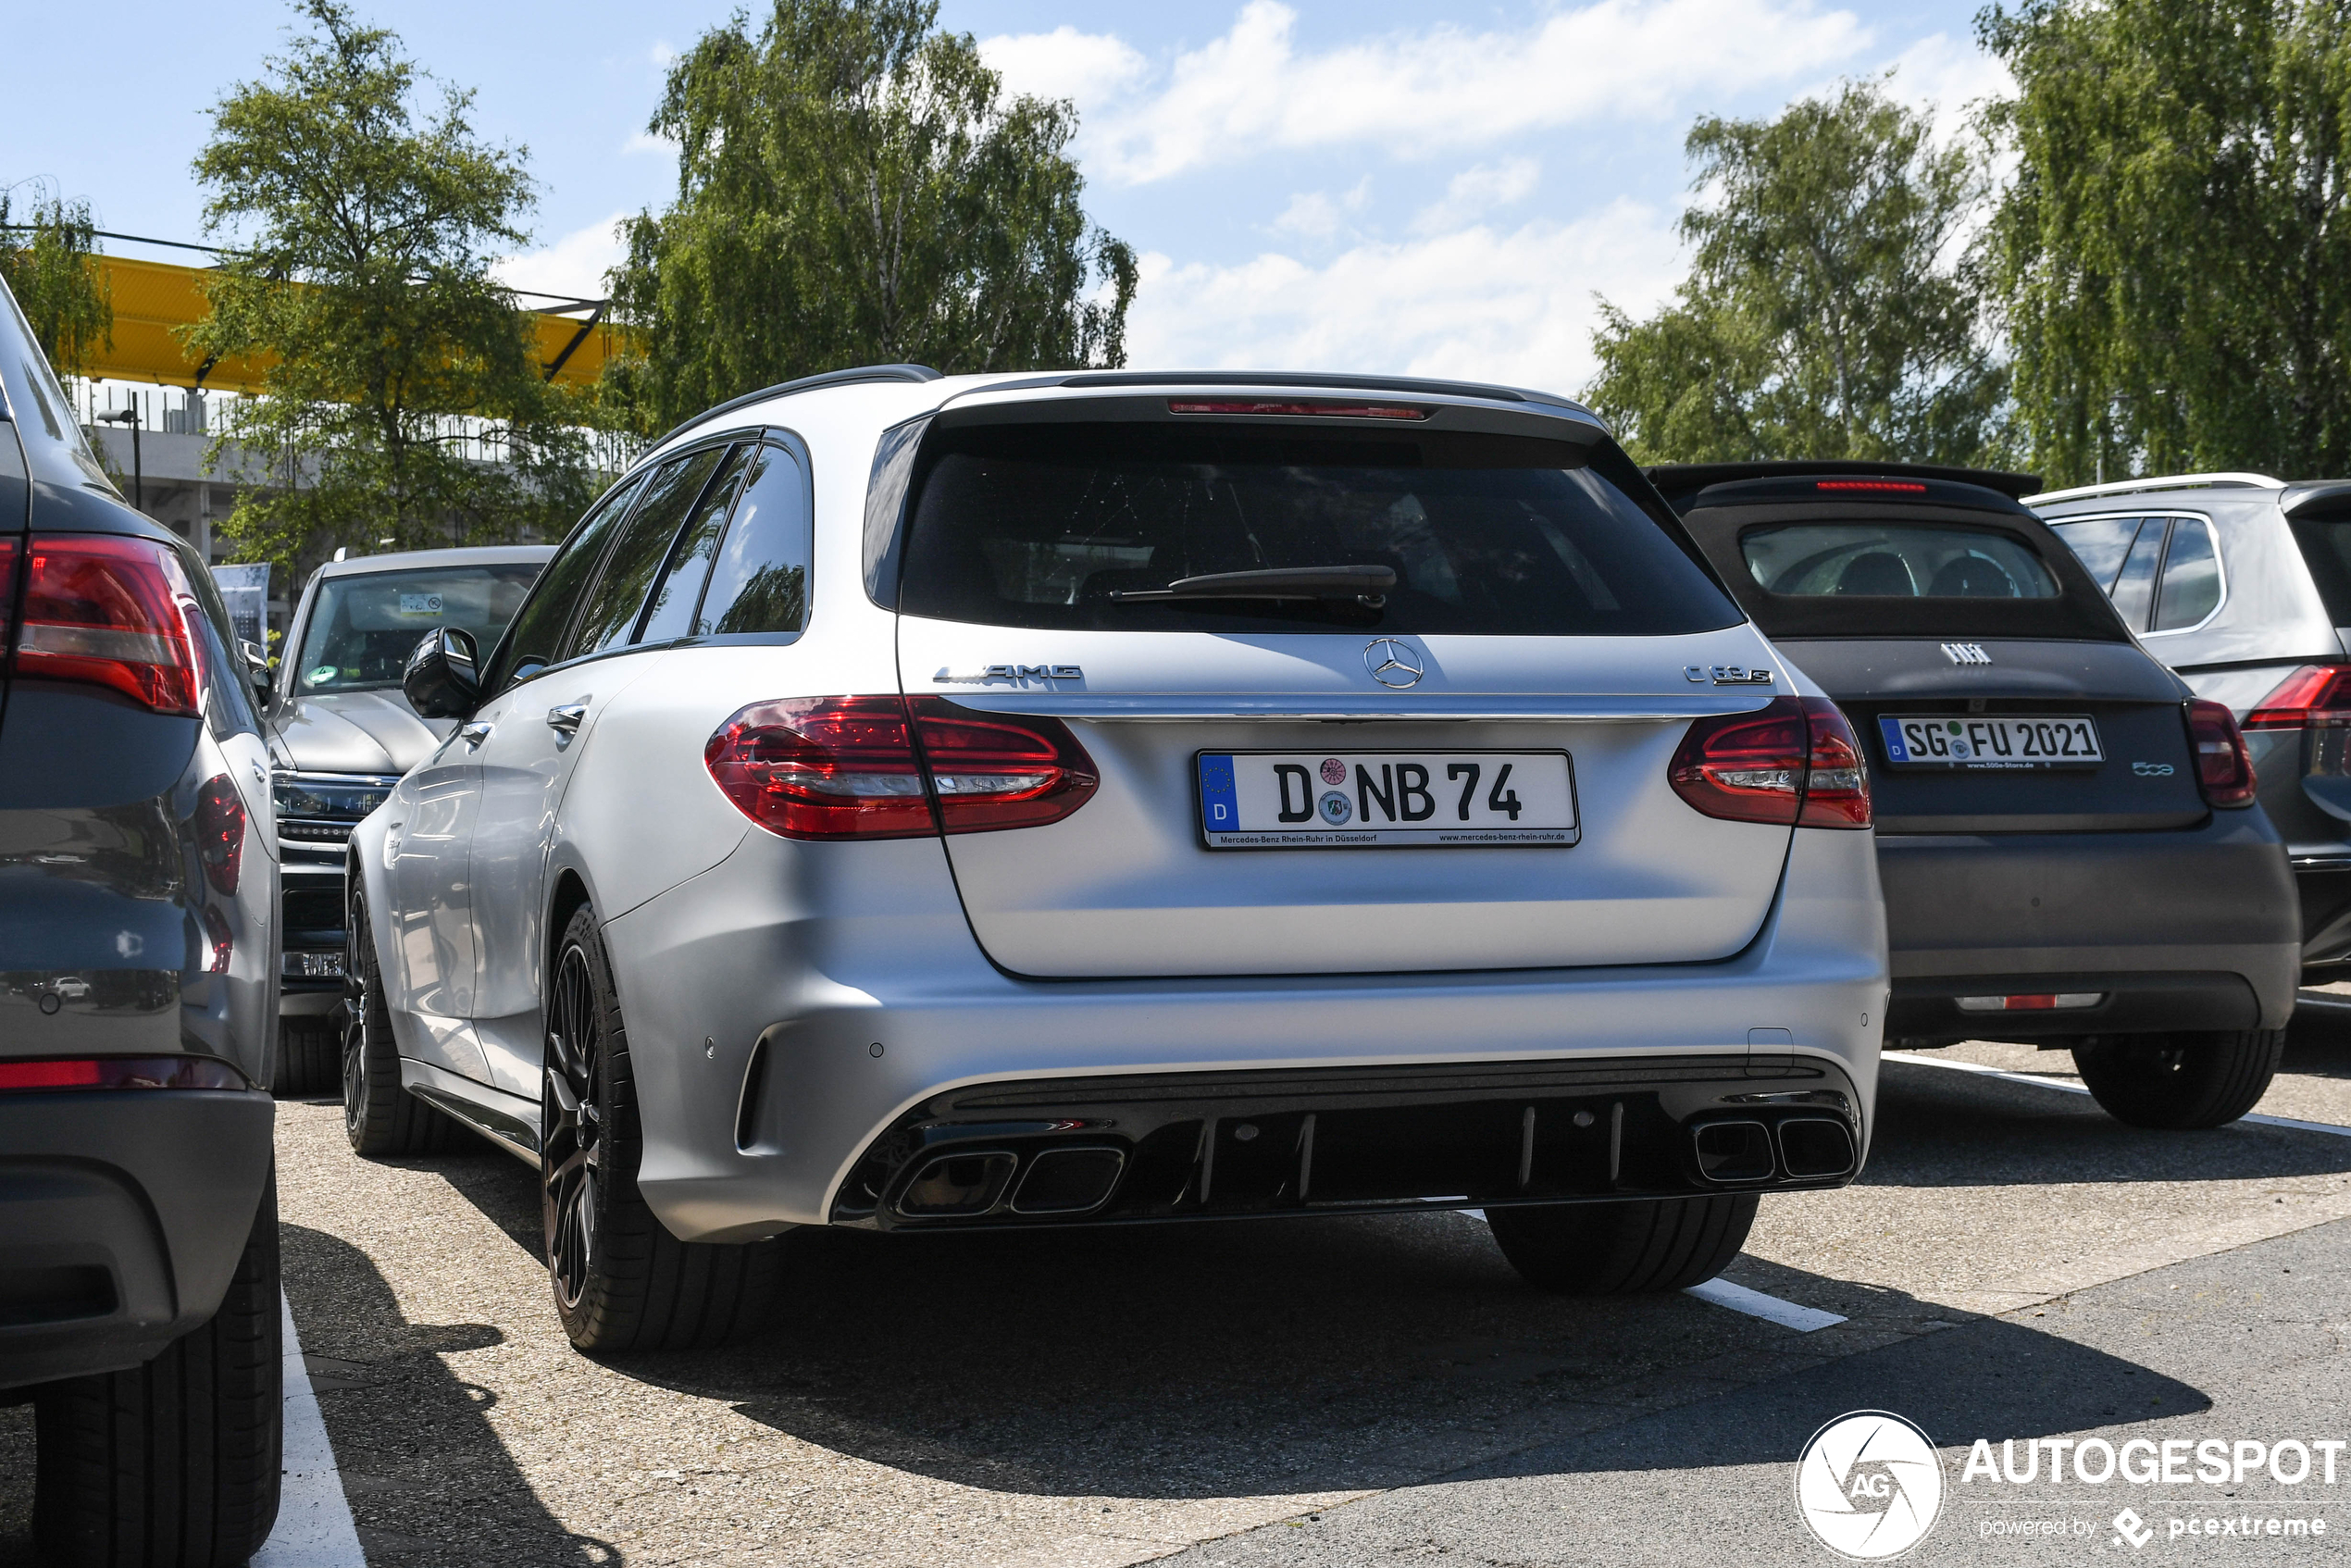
(798, 1005)
(123, 1216)
(2208, 915)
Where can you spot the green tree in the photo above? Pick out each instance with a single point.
(360, 270)
(2175, 250)
(48, 258)
(854, 188)
(1825, 314)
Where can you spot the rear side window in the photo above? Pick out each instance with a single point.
(670, 612)
(530, 641)
(759, 582)
(1042, 525)
(2162, 573)
(2326, 549)
(610, 612)
(1894, 561)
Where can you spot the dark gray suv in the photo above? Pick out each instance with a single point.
(139, 1305)
(340, 735)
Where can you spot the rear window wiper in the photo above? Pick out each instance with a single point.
(1365, 585)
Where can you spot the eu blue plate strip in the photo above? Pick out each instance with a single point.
(1895, 750)
(1219, 810)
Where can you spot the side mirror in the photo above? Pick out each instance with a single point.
(257, 669)
(441, 679)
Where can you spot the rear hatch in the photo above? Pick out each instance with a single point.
(1317, 784)
(1992, 686)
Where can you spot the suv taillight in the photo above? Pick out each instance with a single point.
(119, 1072)
(1793, 762)
(847, 768)
(2314, 697)
(2223, 767)
(105, 611)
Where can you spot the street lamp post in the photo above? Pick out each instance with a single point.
(138, 473)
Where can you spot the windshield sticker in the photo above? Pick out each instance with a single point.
(420, 603)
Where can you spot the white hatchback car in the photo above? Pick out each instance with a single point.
(917, 804)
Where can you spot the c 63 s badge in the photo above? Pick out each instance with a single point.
(1725, 675)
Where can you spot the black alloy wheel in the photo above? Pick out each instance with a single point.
(571, 1109)
(378, 1116)
(621, 1281)
(2180, 1081)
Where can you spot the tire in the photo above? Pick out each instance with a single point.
(1624, 1249)
(176, 1463)
(2181, 1080)
(378, 1116)
(621, 1281)
(309, 1056)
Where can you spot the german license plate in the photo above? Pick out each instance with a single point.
(1941, 740)
(1368, 800)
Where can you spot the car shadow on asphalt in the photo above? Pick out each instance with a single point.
(421, 1462)
(1941, 1128)
(1232, 1359)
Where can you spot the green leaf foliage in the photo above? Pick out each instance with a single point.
(856, 189)
(48, 258)
(2175, 251)
(365, 238)
(1826, 314)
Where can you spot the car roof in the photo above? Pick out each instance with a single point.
(1691, 485)
(425, 560)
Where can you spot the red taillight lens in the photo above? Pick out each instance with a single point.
(1879, 487)
(220, 832)
(1793, 762)
(1000, 771)
(2223, 768)
(121, 1072)
(2314, 697)
(104, 611)
(845, 768)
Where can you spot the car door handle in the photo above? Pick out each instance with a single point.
(565, 719)
(474, 734)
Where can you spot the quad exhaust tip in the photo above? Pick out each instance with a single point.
(1055, 1181)
(1795, 1149)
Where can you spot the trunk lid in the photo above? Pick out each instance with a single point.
(2147, 780)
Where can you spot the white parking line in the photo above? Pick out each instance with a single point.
(1771, 1309)
(1981, 1071)
(314, 1519)
(1739, 1299)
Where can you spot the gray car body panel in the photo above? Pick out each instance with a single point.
(857, 962)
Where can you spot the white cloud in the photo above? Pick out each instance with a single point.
(646, 142)
(1475, 191)
(1064, 63)
(573, 267)
(1513, 307)
(1316, 215)
(1950, 77)
(1251, 89)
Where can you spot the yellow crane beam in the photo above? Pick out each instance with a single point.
(151, 298)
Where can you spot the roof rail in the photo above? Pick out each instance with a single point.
(2175, 482)
(1405, 384)
(807, 384)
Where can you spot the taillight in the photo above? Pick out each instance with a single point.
(2314, 697)
(104, 611)
(220, 832)
(2223, 768)
(846, 768)
(121, 1072)
(1793, 762)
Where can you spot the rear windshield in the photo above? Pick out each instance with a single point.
(1894, 560)
(363, 628)
(1040, 526)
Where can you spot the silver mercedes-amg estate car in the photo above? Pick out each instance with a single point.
(920, 803)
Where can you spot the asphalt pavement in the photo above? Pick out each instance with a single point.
(2013, 1266)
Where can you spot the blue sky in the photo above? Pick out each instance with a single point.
(1373, 185)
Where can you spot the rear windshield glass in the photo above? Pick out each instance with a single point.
(363, 628)
(1041, 526)
(1894, 560)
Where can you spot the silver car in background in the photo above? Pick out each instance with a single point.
(2242, 584)
(340, 735)
(920, 803)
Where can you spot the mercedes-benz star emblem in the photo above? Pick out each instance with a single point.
(1391, 663)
